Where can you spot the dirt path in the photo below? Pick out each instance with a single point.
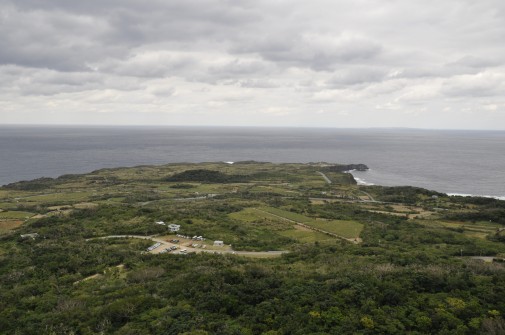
(352, 240)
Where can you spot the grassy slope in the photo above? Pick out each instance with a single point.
(406, 276)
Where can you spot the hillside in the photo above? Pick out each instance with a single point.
(305, 251)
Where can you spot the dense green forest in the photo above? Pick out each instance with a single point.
(300, 255)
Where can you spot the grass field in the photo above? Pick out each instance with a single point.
(59, 197)
(8, 225)
(479, 230)
(348, 229)
(305, 235)
(7, 205)
(273, 189)
(252, 215)
(15, 215)
(288, 215)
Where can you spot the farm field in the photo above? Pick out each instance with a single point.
(15, 215)
(282, 252)
(8, 225)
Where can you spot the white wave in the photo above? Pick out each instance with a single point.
(360, 181)
(476, 195)
(363, 182)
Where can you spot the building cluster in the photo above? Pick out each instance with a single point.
(172, 227)
(194, 238)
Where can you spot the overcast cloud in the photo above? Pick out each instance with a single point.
(327, 63)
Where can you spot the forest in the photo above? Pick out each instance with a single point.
(301, 255)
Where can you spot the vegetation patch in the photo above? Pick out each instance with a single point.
(348, 229)
(9, 225)
(204, 176)
(420, 275)
(287, 215)
(59, 198)
(15, 215)
(304, 235)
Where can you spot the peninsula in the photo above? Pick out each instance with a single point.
(246, 248)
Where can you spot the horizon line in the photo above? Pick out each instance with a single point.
(41, 125)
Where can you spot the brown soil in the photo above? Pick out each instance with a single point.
(8, 225)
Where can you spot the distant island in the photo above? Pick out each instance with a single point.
(246, 248)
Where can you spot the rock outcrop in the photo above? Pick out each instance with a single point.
(347, 167)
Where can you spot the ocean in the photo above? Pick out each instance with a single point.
(449, 161)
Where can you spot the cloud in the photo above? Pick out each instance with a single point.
(148, 64)
(51, 39)
(232, 60)
(351, 76)
(320, 52)
(483, 84)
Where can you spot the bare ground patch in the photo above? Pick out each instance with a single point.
(9, 225)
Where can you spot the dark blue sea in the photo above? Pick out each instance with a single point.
(459, 162)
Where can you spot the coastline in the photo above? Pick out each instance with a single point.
(419, 158)
(363, 182)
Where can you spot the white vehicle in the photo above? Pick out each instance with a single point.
(154, 246)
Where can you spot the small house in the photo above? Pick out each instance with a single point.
(174, 227)
(218, 243)
(160, 222)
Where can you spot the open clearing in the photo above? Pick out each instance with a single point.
(342, 228)
(479, 230)
(8, 225)
(224, 250)
(349, 229)
(287, 214)
(69, 197)
(15, 215)
(252, 215)
(305, 235)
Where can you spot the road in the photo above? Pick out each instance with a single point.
(369, 196)
(325, 177)
(166, 244)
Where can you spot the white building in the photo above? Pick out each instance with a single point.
(174, 227)
(32, 235)
(160, 222)
(218, 243)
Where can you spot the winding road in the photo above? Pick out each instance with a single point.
(166, 244)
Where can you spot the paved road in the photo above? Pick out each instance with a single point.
(325, 177)
(165, 244)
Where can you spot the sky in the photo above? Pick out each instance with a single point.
(319, 63)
